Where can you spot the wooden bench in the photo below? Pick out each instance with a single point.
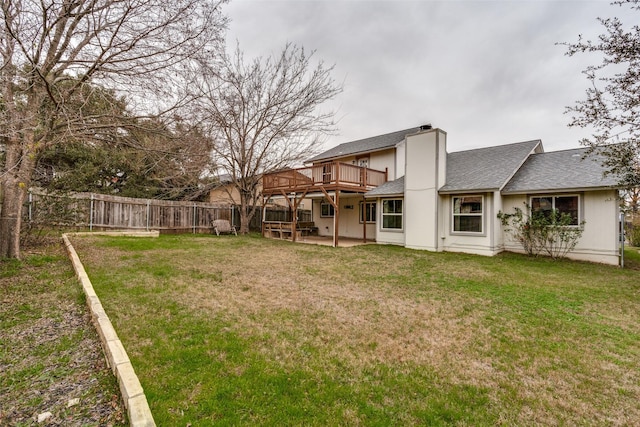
(307, 228)
(284, 230)
(222, 226)
(278, 229)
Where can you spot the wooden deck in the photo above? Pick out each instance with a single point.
(331, 179)
(336, 176)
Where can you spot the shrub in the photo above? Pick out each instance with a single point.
(633, 234)
(57, 210)
(541, 233)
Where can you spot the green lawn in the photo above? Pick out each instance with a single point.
(249, 331)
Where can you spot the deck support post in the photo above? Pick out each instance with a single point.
(264, 212)
(293, 205)
(336, 219)
(294, 217)
(364, 211)
(335, 202)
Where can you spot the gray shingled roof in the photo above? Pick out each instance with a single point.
(366, 145)
(560, 170)
(389, 188)
(485, 168)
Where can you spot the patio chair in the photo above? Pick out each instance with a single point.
(222, 226)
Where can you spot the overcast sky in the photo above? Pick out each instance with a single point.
(487, 72)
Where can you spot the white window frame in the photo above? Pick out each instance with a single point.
(480, 214)
(372, 209)
(553, 204)
(363, 162)
(331, 210)
(383, 214)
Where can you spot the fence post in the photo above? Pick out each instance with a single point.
(91, 213)
(194, 218)
(148, 208)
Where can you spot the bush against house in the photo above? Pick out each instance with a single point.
(542, 232)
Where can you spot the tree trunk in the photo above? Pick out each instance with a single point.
(13, 197)
(247, 212)
(244, 218)
(15, 183)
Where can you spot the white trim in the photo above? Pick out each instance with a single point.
(482, 216)
(373, 219)
(330, 209)
(382, 214)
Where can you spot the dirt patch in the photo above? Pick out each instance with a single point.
(51, 359)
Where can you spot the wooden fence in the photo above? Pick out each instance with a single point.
(100, 211)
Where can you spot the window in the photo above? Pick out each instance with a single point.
(392, 214)
(563, 204)
(326, 210)
(370, 209)
(363, 162)
(468, 214)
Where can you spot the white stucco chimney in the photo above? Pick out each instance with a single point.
(425, 173)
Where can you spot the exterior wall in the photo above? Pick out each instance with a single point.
(225, 194)
(489, 242)
(498, 235)
(382, 160)
(599, 241)
(349, 224)
(228, 194)
(400, 159)
(325, 225)
(425, 154)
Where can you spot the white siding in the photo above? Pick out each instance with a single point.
(599, 241)
(392, 237)
(349, 224)
(400, 162)
(384, 160)
(485, 243)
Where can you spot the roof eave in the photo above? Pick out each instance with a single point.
(468, 190)
(374, 196)
(357, 153)
(560, 190)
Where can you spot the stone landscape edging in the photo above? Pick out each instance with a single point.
(130, 388)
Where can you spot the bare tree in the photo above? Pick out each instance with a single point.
(265, 116)
(612, 104)
(631, 203)
(51, 50)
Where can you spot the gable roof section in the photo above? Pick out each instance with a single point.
(560, 170)
(487, 168)
(389, 188)
(362, 146)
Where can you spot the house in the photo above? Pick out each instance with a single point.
(404, 188)
(224, 192)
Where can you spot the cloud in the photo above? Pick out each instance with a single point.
(487, 72)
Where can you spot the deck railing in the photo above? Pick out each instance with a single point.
(328, 174)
